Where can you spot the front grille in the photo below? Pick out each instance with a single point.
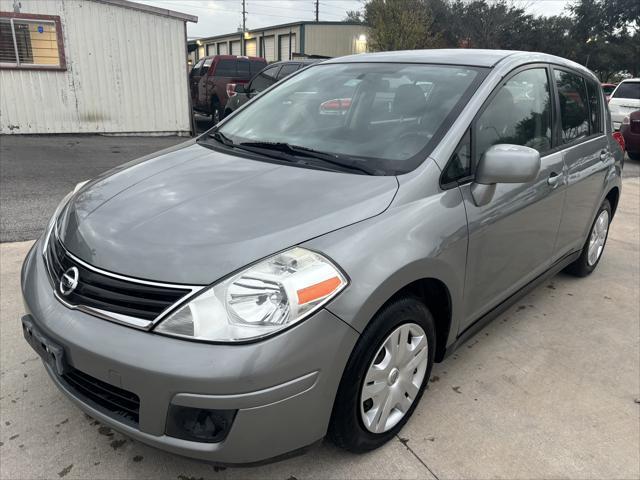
(107, 293)
(635, 126)
(114, 401)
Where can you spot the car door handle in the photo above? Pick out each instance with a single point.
(554, 179)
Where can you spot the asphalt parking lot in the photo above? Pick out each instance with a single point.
(38, 171)
(551, 389)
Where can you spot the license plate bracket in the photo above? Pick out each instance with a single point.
(50, 352)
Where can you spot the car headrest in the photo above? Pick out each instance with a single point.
(409, 101)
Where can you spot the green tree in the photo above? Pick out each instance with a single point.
(607, 34)
(399, 25)
(604, 35)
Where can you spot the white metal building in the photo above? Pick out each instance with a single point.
(92, 66)
(286, 41)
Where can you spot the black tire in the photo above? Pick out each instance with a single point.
(216, 111)
(634, 156)
(347, 429)
(581, 267)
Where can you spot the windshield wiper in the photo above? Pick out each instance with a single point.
(222, 138)
(341, 161)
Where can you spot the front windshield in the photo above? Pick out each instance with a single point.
(387, 115)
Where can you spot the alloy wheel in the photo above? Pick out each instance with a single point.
(598, 238)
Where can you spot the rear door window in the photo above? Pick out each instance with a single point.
(288, 69)
(627, 90)
(519, 114)
(574, 109)
(226, 68)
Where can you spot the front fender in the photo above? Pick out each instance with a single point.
(425, 238)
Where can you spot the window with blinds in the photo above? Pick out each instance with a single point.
(31, 42)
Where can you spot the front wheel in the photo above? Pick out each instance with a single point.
(385, 376)
(216, 113)
(594, 246)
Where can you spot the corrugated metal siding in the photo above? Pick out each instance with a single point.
(334, 40)
(126, 74)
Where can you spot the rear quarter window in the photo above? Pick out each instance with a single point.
(595, 108)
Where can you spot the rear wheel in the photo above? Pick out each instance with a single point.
(216, 112)
(594, 246)
(385, 376)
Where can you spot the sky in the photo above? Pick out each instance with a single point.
(216, 17)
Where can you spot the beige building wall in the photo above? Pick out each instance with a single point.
(335, 40)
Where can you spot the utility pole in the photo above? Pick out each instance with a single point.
(317, 9)
(244, 16)
(244, 27)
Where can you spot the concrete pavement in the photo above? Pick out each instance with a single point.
(551, 389)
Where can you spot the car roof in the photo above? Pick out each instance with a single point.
(304, 61)
(630, 80)
(475, 57)
(234, 57)
(456, 56)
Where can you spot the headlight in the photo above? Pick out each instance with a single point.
(626, 120)
(262, 299)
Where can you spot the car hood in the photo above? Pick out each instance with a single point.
(194, 215)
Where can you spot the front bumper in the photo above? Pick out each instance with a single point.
(283, 388)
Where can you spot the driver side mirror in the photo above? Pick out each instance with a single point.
(504, 163)
(242, 88)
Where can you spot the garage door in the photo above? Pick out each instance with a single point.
(222, 49)
(235, 47)
(285, 53)
(251, 47)
(269, 49)
(211, 49)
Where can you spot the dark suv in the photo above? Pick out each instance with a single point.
(209, 78)
(263, 80)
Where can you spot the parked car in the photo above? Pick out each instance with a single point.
(624, 100)
(294, 273)
(607, 89)
(242, 93)
(630, 130)
(209, 78)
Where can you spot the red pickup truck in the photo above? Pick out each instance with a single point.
(210, 76)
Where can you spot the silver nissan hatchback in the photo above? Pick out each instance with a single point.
(296, 271)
